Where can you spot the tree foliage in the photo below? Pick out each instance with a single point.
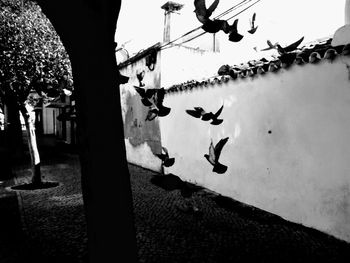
(31, 53)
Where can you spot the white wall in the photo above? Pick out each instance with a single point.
(180, 64)
(300, 170)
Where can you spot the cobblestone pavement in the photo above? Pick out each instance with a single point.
(224, 231)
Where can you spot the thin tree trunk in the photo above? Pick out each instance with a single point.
(29, 121)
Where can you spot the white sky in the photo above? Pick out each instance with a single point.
(283, 21)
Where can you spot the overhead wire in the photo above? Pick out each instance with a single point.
(199, 27)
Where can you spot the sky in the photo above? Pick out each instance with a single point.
(140, 24)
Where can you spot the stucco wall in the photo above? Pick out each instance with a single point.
(142, 138)
(180, 64)
(288, 150)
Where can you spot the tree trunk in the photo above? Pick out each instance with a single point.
(29, 120)
(87, 29)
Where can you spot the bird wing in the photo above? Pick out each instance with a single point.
(212, 7)
(293, 46)
(150, 93)
(233, 28)
(160, 97)
(194, 113)
(165, 151)
(217, 114)
(140, 91)
(201, 11)
(161, 156)
(218, 148)
(270, 44)
(211, 157)
(200, 110)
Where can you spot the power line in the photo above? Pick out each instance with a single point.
(195, 29)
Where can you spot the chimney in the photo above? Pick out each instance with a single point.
(342, 35)
(169, 7)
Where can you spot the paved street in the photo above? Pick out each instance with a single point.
(225, 230)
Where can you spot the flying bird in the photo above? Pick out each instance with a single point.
(199, 112)
(146, 95)
(215, 120)
(289, 48)
(270, 46)
(140, 76)
(234, 36)
(203, 15)
(214, 154)
(158, 101)
(253, 28)
(167, 162)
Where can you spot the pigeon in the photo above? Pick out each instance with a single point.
(146, 95)
(234, 36)
(158, 101)
(140, 76)
(214, 154)
(215, 120)
(253, 28)
(199, 112)
(289, 48)
(171, 182)
(167, 162)
(203, 15)
(270, 46)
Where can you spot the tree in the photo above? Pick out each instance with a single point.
(87, 29)
(34, 66)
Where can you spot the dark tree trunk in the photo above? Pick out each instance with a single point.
(87, 31)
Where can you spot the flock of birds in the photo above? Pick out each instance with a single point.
(153, 99)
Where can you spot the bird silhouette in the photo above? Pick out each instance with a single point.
(199, 112)
(203, 15)
(140, 76)
(253, 28)
(270, 46)
(233, 36)
(214, 154)
(158, 101)
(289, 48)
(167, 162)
(215, 120)
(146, 95)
